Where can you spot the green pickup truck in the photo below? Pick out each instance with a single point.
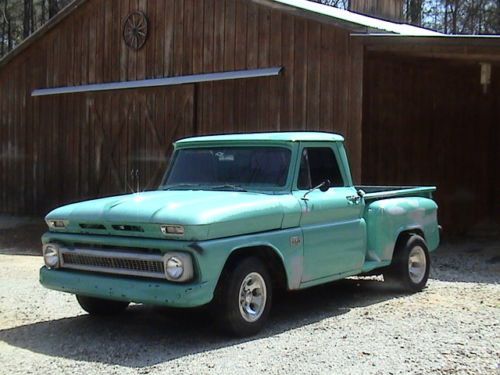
(237, 217)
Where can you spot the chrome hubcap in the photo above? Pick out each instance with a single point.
(253, 296)
(417, 264)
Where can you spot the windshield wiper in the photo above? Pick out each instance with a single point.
(227, 187)
(182, 187)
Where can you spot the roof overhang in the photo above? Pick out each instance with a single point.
(455, 47)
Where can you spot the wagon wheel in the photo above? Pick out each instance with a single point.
(135, 30)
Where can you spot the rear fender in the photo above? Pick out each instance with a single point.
(387, 218)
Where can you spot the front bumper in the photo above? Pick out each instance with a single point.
(128, 289)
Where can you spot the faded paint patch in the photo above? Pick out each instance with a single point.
(297, 269)
(395, 210)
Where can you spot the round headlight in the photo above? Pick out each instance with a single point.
(51, 255)
(175, 268)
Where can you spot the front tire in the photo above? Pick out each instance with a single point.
(98, 306)
(243, 298)
(411, 265)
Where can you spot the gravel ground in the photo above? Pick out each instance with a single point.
(356, 326)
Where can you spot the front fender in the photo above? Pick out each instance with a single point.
(286, 244)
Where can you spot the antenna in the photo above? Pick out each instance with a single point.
(138, 181)
(134, 175)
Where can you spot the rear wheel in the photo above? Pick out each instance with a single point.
(98, 306)
(243, 299)
(411, 264)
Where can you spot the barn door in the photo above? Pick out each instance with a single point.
(132, 134)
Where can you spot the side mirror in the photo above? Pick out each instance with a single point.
(325, 186)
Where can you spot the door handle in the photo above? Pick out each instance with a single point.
(354, 199)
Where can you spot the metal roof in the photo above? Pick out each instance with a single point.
(358, 19)
(263, 137)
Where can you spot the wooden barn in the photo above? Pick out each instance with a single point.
(104, 88)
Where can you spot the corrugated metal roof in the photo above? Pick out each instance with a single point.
(262, 137)
(358, 19)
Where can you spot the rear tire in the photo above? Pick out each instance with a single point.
(410, 266)
(98, 306)
(243, 298)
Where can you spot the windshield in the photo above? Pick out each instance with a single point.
(229, 168)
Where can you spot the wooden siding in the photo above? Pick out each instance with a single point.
(388, 9)
(60, 149)
(429, 122)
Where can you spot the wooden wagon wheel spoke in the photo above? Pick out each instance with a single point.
(136, 30)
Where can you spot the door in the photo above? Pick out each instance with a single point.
(333, 229)
(130, 136)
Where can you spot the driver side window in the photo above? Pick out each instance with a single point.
(318, 164)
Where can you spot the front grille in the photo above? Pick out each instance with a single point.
(128, 228)
(116, 262)
(93, 226)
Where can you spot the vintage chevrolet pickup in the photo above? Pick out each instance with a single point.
(236, 217)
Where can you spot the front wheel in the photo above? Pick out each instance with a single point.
(411, 265)
(244, 297)
(98, 306)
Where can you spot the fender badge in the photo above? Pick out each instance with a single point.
(295, 241)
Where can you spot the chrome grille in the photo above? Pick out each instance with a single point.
(116, 262)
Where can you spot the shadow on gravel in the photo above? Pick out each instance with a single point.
(23, 238)
(146, 336)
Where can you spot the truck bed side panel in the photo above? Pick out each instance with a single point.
(387, 218)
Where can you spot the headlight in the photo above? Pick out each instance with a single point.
(172, 230)
(175, 268)
(57, 224)
(178, 267)
(51, 255)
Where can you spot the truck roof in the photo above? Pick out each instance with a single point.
(263, 137)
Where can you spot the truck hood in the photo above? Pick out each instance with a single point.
(204, 214)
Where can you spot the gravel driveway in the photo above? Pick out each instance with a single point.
(356, 326)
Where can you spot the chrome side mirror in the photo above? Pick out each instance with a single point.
(324, 187)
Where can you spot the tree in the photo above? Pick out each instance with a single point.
(447, 16)
(7, 28)
(28, 18)
(343, 4)
(53, 8)
(413, 11)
